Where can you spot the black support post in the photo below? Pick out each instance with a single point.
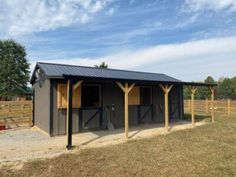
(69, 114)
(33, 115)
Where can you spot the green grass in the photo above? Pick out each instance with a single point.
(206, 151)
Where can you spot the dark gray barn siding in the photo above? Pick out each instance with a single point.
(42, 105)
(89, 123)
(175, 103)
(133, 115)
(112, 94)
(158, 104)
(59, 115)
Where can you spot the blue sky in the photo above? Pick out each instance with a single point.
(187, 39)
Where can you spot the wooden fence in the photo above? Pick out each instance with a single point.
(205, 106)
(16, 113)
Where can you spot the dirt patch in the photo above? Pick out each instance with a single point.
(24, 144)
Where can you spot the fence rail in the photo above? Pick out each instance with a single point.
(205, 106)
(16, 113)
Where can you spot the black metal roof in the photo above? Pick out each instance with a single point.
(60, 71)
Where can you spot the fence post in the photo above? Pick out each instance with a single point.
(212, 104)
(206, 106)
(22, 109)
(193, 90)
(189, 104)
(229, 106)
(9, 110)
(30, 115)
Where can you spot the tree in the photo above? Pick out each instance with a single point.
(14, 69)
(227, 88)
(187, 92)
(204, 92)
(102, 65)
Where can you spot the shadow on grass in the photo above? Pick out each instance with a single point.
(198, 117)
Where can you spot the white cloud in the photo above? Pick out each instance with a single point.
(111, 11)
(187, 22)
(24, 16)
(215, 5)
(196, 57)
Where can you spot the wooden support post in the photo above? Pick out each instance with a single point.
(212, 104)
(77, 85)
(229, 106)
(126, 89)
(126, 96)
(166, 89)
(167, 111)
(193, 90)
(69, 114)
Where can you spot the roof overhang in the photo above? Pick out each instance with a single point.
(65, 76)
(199, 84)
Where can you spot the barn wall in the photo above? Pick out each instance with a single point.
(112, 95)
(158, 104)
(42, 105)
(175, 103)
(59, 115)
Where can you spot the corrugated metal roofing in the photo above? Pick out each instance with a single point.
(52, 70)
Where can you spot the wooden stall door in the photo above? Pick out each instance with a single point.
(174, 104)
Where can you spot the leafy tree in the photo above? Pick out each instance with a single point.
(14, 69)
(201, 92)
(204, 92)
(187, 92)
(102, 65)
(227, 88)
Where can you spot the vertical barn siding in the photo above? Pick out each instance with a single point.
(112, 94)
(175, 103)
(158, 104)
(59, 115)
(93, 123)
(133, 115)
(42, 105)
(145, 113)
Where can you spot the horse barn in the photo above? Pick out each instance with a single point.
(71, 99)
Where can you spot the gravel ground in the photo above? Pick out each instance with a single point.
(23, 144)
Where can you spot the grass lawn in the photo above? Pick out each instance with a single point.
(206, 151)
